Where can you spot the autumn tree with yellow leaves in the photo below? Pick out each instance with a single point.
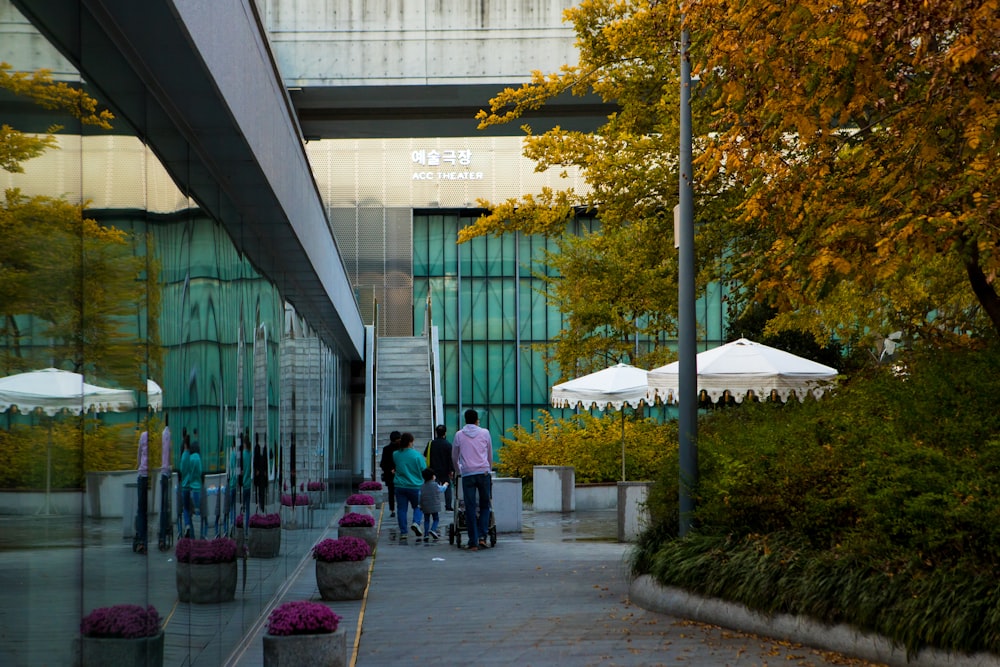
(74, 284)
(846, 153)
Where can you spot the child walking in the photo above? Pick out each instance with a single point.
(430, 504)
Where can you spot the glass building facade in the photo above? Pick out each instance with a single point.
(112, 270)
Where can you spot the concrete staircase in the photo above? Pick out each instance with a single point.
(403, 386)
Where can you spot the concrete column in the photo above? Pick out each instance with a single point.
(554, 489)
(507, 504)
(633, 516)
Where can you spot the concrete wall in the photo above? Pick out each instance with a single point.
(416, 42)
(596, 496)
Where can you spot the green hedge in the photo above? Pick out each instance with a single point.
(878, 506)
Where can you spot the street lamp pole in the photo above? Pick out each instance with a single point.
(687, 371)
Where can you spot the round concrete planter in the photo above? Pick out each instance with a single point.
(206, 583)
(102, 651)
(366, 533)
(360, 509)
(326, 650)
(264, 542)
(342, 580)
(379, 496)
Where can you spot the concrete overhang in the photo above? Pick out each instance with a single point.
(432, 110)
(197, 81)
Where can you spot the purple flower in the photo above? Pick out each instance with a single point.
(219, 550)
(342, 549)
(300, 499)
(265, 520)
(123, 621)
(356, 520)
(370, 486)
(316, 486)
(360, 499)
(302, 618)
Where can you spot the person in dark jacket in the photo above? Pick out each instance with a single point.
(259, 474)
(389, 470)
(439, 457)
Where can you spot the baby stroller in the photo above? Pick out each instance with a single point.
(458, 523)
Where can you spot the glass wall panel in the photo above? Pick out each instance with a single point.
(152, 342)
(503, 316)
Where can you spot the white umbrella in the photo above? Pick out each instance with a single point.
(51, 391)
(614, 387)
(744, 366)
(154, 395)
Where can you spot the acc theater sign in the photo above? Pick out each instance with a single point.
(443, 165)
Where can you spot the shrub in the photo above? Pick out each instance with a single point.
(360, 499)
(316, 486)
(355, 520)
(592, 445)
(370, 486)
(302, 618)
(219, 550)
(342, 549)
(876, 506)
(121, 621)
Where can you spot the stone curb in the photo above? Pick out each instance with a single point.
(646, 593)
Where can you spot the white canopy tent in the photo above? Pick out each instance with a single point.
(154, 395)
(614, 387)
(743, 367)
(52, 391)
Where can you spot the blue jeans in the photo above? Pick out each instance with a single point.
(164, 507)
(230, 519)
(472, 485)
(142, 511)
(431, 523)
(186, 503)
(404, 497)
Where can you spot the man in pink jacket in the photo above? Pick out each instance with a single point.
(472, 454)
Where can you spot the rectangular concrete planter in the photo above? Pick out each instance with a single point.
(632, 513)
(325, 650)
(554, 488)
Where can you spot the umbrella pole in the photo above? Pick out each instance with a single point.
(46, 509)
(623, 443)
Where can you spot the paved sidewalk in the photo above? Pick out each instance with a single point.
(555, 594)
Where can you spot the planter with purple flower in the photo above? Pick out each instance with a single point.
(206, 570)
(265, 535)
(291, 505)
(358, 525)
(359, 503)
(342, 567)
(316, 492)
(124, 634)
(373, 489)
(304, 633)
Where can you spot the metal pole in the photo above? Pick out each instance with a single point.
(687, 371)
